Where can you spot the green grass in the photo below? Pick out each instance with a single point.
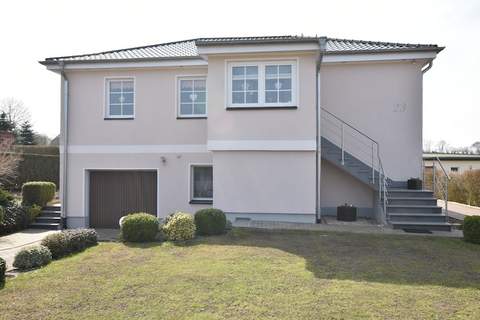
(257, 275)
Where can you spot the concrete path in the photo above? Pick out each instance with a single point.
(12, 243)
(459, 210)
(355, 227)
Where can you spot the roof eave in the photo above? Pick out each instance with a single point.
(373, 51)
(49, 62)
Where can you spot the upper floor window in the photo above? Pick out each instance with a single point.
(192, 97)
(120, 98)
(262, 84)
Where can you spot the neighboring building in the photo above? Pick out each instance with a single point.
(453, 163)
(255, 126)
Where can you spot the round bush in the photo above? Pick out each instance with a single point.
(32, 257)
(57, 243)
(471, 229)
(210, 221)
(38, 192)
(139, 227)
(180, 227)
(3, 269)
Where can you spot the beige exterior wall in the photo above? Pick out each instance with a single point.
(261, 124)
(155, 110)
(264, 182)
(383, 100)
(173, 179)
(339, 187)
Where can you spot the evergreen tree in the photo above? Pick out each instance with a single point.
(26, 134)
(5, 123)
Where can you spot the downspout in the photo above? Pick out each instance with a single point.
(322, 45)
(65, 96)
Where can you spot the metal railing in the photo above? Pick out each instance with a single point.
(438, 182)
(352, 141)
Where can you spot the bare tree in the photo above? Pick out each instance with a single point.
(442, 146)
(15, 110)
(8, 159)
(476, 147)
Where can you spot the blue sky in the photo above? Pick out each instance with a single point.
(33, 30)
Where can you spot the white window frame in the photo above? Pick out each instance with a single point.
(179, 93)
(192, 166)
(261, 64)
(107, 114)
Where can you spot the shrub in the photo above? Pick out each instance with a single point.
(15, 218)
(180, 226)
(6, 198)
(2, 214)
(139, 227)
(210, 221)
(38, 192)
(70, 241)
(32, 257)
(57, 244)
(471, 229)
(33, 212)
(3, 269)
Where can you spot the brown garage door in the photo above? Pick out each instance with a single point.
(114, 194)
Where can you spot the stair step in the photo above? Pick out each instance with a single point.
(412, 201)
(410, 193)
(48, 219)
(417, 217)
(413, 209)
(50, 212)
(432, 226)
(52, 208)
(45, 225)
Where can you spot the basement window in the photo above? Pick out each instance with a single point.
(201, 177)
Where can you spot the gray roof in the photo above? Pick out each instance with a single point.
(187, 49)
(451, 156)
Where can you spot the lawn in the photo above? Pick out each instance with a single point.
(251, 274)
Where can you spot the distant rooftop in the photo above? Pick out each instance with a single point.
(451, 156)
(188, 49)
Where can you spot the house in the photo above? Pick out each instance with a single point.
(453, 163)
(281, 128)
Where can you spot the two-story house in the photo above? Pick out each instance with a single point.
(281, 128)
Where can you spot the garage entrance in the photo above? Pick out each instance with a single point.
(115, 193)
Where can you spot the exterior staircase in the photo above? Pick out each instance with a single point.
(49, 219)
(357, 154)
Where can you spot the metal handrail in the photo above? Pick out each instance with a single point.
(444, 186)
(375, 161)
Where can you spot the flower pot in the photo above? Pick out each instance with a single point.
(346, 213)
(414, 184)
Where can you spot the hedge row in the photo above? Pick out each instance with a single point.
(35, 167)
(69, 241)
(38, 192)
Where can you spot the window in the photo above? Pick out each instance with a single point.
(454, 169)
(120, 98)
(262, 84)
(192, 97)
(202, 183)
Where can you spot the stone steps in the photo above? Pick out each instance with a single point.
(49, 219)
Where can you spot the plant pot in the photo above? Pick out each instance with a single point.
(346, 213)
(414, 184)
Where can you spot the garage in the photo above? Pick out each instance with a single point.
(115, 193)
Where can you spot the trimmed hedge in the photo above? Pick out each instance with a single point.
(37, 163)
(139, 227)
(69, 241)
(2, 214)
(210, 221)
(471, 229)
(32, 257)
(15, 218)
(179, 227)
(3, 269)
(38, 192)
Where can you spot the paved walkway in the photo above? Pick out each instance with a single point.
(332, 225)
(12, 243)
(459, 210)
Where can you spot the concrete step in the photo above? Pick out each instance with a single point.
(412, 201)
(52, 208)
(50, 213)
(413, 209)
(417, 217)
(431, 226)
(410, 193)
(43, 219)
(45, 226)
